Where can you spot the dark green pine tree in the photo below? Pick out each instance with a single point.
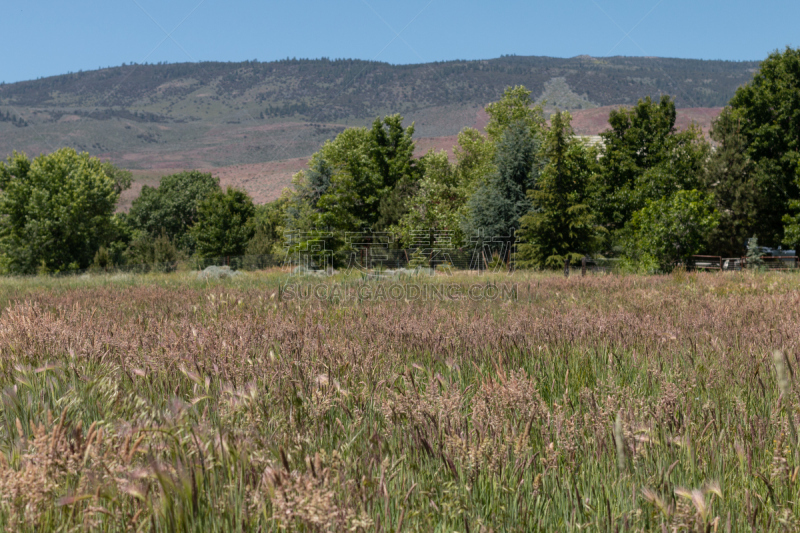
(494, 210)
(392, 154)
(561, 224)
(318, 182)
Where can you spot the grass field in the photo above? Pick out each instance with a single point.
(605, 403)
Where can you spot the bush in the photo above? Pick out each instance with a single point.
(148, 253)
(669, 230)
(171, 207)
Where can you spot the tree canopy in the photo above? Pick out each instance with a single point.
(670, 229)
(650, 195)
(766, 114)
(224, 223)
(55, 211)
(645, 158)
(171, 208)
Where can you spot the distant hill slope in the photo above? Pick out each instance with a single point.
(213, 115)
(325, 90)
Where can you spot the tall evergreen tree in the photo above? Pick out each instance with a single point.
(392, 149)
(392, 153)
(496, 206)
(561, 224)
(300, 207)
(317, 182)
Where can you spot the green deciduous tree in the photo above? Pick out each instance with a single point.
(561, 224)
(268, 228)
(670, 229)
(55, 211)
(147, 252)
(224, 224)
(362, 179)
(766, 113)
(646, 159)
(122, 178)
(171, 207)
(474, 158)
(740, 188)
(351, 202)
(514, 107)
(438, 206)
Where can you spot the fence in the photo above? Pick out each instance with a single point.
(769, 262)
(374, 260)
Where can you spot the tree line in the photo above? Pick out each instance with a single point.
(649, 195)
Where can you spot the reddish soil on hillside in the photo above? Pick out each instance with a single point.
(425, 144)
(263, 181)
(594, 121)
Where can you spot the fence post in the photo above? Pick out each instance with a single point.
(566, 267)
(583, 266)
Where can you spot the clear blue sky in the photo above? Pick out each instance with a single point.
(48, 37)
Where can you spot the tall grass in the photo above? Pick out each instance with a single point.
(611, 403)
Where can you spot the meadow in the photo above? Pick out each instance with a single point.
(598, 403)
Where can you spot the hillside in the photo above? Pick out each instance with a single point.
(244, 115)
